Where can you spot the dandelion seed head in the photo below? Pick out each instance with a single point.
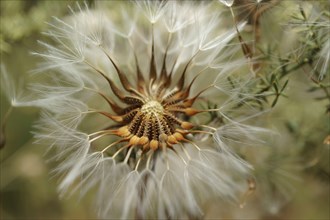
(129, 121)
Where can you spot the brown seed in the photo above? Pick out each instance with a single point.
(187, 125)
(191, 111)
(153, 144)
(143, 140)
(123, 131)
(134, 140)
(178, 136)
(172, 140)
(113, 117)
(162, 137)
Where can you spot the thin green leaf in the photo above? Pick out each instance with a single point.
(275, 101)
(276, 88)
(284, 86)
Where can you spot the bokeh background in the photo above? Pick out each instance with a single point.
(292, 179)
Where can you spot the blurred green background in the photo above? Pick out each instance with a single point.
(28, 190)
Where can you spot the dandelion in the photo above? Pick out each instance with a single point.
(136, 106)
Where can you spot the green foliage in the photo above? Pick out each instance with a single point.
(22, 19)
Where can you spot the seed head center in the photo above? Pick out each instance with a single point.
(152, 107)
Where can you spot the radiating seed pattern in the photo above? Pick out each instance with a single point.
(152, 118)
